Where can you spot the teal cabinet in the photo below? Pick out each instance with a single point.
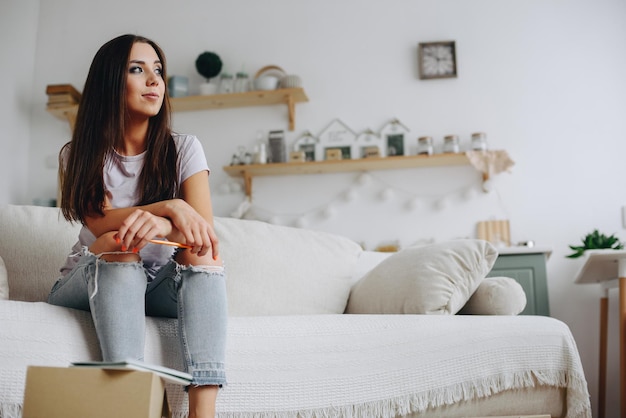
(529, 270)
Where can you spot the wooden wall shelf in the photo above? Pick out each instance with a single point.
(288, 97)
(249, 171)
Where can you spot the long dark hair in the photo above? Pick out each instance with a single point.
(100, 125)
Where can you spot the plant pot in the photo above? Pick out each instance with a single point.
(207, 88)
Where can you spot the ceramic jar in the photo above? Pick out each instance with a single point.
(425, 145)
(479, 141)
(451, 144)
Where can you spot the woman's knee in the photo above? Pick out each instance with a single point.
(106, 243)
(186, 258)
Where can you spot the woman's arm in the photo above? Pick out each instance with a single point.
(114, 219)
(196, 192)
(188, 220)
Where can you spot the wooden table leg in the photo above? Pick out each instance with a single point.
(622, 345)
(604, 316)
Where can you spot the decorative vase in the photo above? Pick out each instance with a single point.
(208, 88)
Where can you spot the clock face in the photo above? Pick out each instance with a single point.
(437, 60)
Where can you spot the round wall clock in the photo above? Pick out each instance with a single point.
(437, 60)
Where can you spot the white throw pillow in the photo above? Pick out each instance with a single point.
(281, 270)
(496, 296)
(4, 281)
(35, 243)
(432, 279)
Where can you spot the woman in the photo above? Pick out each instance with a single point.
(128, 179)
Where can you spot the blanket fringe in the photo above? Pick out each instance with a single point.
(578, 403)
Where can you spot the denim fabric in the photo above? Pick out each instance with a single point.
(119, 296)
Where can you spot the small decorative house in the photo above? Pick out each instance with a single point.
(307, 144)
(336, 138)
(395, 138)
(370, 144)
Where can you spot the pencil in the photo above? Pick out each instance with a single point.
(172, 243)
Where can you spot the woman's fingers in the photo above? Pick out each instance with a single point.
(138, 228)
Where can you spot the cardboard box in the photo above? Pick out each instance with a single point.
(80, 392)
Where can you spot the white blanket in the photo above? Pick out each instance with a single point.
(323, 365)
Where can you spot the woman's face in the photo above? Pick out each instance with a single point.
(145, 86)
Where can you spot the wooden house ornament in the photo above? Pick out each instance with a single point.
(370, 144)
(395, 137)
(337, 141)
(307, 143)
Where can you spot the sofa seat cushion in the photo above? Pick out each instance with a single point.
(323, 365)
(430, 279)
(280, 270)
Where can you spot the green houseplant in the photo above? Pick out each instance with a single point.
(595, 241)
(208, 65)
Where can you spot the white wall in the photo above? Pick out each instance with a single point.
(18, 34)
(543, 78)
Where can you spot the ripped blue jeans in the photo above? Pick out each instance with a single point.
(119, 296)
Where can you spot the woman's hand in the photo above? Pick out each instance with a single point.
(139, 227)
(190, 228)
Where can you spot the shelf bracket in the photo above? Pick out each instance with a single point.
(247, 183)
(291, 107)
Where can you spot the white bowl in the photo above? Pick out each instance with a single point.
(266, 82)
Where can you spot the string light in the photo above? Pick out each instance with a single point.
(413, 203)
(300, 222)
(349, 195)
(440, 204)
(364, 179)
(386, 195)
(326, 211)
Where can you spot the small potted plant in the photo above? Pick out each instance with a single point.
(595, 241)
(208, 65)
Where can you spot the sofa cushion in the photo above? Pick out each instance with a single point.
(496, 296)
(431, 279)
(280, 270)
(35, 242)
(4, 284)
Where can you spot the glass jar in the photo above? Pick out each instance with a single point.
(479, 141)
(242, 82)
(260, 154)
(226, 83)
(425, 145)
(451, 143)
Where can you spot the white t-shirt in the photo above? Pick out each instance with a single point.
(121, 176)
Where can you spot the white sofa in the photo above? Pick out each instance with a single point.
(293, 351)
